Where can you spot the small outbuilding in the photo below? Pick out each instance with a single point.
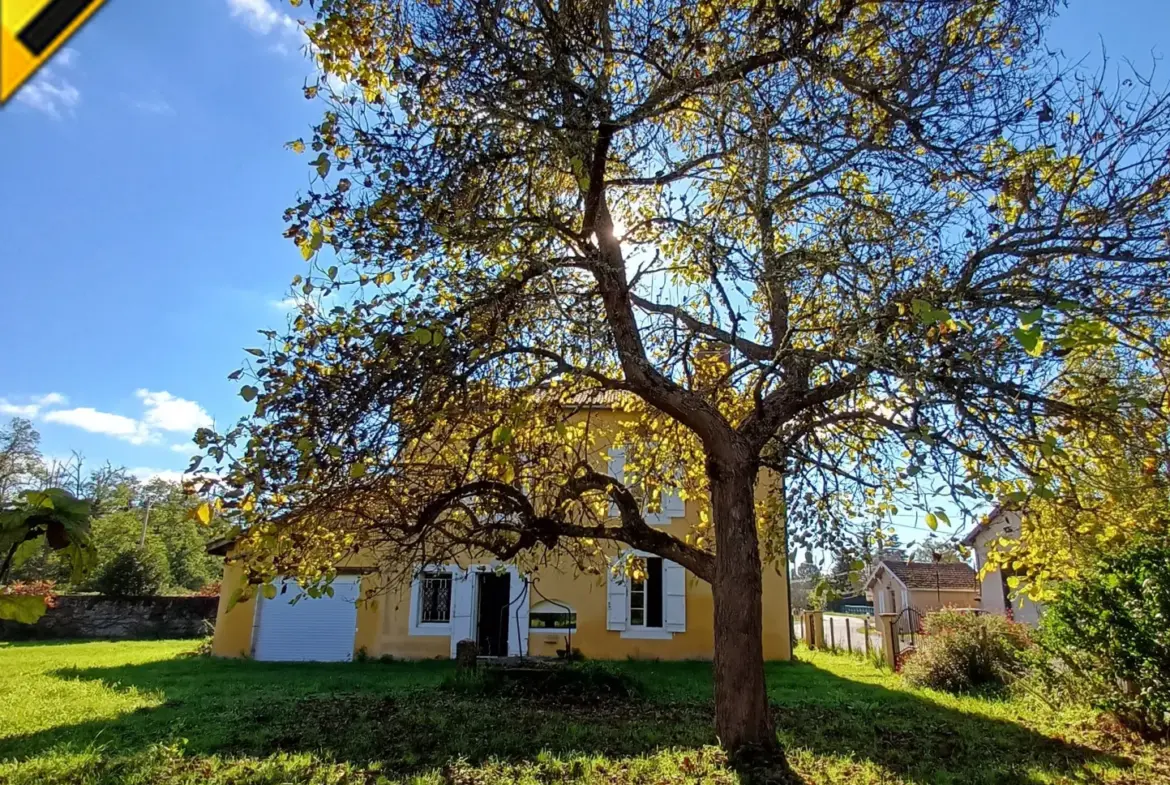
(896, 585)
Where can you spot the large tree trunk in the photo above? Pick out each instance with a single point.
(742, 719)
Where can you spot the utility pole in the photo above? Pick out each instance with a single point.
(937, 583)
(145, 521)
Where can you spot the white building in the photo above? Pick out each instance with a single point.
(996, 596)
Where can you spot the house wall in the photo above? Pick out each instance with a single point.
(995, 598)
(923, 600)
(384, 622)
(383, 625)
(926, 600)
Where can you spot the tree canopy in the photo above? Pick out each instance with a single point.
(854, 243)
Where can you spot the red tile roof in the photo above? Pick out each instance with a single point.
(928, 575)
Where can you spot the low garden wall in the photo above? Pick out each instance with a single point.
(92, 616)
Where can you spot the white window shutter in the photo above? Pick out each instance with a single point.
(462, 602)
(617, 470)
(617, 603)
(674, 581)
(672, 505)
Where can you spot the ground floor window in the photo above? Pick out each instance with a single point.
(551, 615)
(434, 598)
(646, 596)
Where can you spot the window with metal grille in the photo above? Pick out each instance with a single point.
(434, 598)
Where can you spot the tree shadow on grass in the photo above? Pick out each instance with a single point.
(398, 715)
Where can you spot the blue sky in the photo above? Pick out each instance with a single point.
(144, 177)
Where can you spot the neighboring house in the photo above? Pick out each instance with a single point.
(997, 596)
(895, 585)
(668, 615)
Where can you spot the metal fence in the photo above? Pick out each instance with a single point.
(846, 633)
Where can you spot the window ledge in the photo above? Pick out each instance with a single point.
(434, 629)
(647, 634)
(551, 631)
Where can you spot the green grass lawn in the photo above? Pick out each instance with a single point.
(146, 712)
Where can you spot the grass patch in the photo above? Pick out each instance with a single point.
(143, 712)
(574, 684)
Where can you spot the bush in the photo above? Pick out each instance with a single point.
(1110, 630)
(133, 573)
(960, 652)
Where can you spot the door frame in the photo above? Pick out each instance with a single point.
(518, 639)
(477, 618)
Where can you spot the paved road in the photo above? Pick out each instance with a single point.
(835, 632)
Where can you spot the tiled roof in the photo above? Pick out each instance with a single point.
(598, 399)
(924, 575)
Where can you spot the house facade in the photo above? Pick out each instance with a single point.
(997, 595)
(668, 614)
(895, 585)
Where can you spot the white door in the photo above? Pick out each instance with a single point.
(319, 630)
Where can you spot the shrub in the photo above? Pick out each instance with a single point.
(1110, 630)
(44, 589)
(133, 573)
(960, 652)
(209, 589)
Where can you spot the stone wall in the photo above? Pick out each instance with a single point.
(91, 616)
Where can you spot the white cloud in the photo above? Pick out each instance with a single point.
(90, 419)
(185, 448)
(261, 17)
(153, 105)
(295, 304)
(10, 409)
(162, 412)
(146, 473)
(49, 92)
(66, 57)
(33, 407)
(170, 413)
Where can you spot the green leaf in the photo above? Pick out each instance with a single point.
(255, 352)
(269, 591)
(932, 521)
(421, 336)
(21, 608)
(1030, 339)
(248, 392)
(332, 272)
(357, 470)
(321, 162)
(502, 435)
(1031, 317)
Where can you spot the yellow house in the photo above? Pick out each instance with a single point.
(667, 615)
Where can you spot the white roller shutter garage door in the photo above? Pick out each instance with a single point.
(312, 630)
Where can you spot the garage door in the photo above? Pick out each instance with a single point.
(320, 629)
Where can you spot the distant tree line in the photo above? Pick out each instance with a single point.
(146, 537)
